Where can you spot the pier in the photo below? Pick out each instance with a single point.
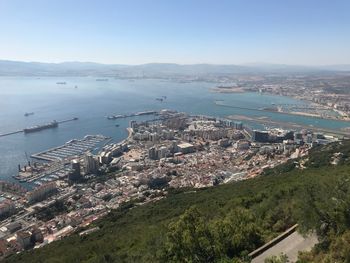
(114, 117)
(10, 133)
(68, 120)
(20, 131)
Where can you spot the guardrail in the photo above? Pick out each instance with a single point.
(273, 242)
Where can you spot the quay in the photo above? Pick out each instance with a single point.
(57, 167)
(121, 116)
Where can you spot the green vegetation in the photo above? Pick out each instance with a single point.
(277, 259)
(224, 223)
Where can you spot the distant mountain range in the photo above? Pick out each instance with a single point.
(18, 68)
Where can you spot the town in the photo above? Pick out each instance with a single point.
(175, 150)
(327, 95)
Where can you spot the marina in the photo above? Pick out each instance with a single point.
(71, 148)
(56, 160)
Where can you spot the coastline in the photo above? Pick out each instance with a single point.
(267, 121)
(282, 112)
(312, 115)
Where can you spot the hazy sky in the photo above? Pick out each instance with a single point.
(309, 32)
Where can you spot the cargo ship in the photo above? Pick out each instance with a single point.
(145, 113)
(36, 128)
(28, 114)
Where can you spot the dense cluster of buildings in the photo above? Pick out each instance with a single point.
(328, 94)
(175, 150)
(7, 208)
(282, 136)
(41, 192)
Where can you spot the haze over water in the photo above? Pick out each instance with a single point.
(93, 100)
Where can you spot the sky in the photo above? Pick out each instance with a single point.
(302, 32)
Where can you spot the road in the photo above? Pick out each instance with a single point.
(290, 246)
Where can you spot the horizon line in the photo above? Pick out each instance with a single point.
(246, 64)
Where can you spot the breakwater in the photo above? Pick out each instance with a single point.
(37, 128)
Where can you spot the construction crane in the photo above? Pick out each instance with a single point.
(27, 158)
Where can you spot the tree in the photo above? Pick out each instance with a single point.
(189, 239)
(194, 239)
(282, 258)
(237, 233)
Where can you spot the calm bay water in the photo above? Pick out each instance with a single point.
(92, 100)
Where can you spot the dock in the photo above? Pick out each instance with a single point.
(121, 116)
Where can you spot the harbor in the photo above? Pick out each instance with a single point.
(56, 160)
(194, 98)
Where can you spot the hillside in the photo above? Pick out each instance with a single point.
(224, 223)
(152, 70)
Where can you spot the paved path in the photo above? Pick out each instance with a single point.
(290, 246)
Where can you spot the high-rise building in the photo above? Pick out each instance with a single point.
(152, 153)
(238, 125)
(90, 164)
(260, 136)
(41, 192)
(75, 173)
(162, 152)
(133, 124)
(7, 208)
